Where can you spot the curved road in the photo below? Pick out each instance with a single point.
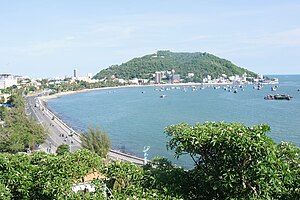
(61, 133)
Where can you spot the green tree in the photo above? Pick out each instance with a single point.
(235, 161)
(20, 132)
(63, 148)
(96, 140)
(2, 99)
(2, 112)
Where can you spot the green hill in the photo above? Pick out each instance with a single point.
(201, 64)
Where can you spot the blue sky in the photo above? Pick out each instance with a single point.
(48, 38)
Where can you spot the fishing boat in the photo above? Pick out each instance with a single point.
(278, 97)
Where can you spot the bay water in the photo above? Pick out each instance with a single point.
(136, 117)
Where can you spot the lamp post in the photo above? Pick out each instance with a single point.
(70, 138)
(146, 149)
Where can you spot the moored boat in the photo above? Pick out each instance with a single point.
(278, 97)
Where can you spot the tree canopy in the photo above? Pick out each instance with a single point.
(20, 131)
(237, 161)
(96, 140)
(232, 161)
(63, 148)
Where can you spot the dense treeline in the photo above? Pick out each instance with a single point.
(232, 161)
(20, 132)
(78, 85)
(201, 64)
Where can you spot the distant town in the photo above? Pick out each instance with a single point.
(9, 82)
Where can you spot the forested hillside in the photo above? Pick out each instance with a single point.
(201, 64)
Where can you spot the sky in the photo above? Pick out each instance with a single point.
(51, 38)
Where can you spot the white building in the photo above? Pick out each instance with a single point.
(190, 75)
(7, 80)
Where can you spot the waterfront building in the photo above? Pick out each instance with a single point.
(172, 76)
(158, 76)
(7, 80)
(176, 78)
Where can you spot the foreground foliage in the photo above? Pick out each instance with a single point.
(232, 161)
(46, 176)
(236, 161)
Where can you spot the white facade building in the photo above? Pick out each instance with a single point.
(190, 75)
(7, 80)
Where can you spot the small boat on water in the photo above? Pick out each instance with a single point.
(273, 88)
(278, 97)
(163, 96)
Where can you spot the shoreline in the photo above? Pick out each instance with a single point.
(57, 95)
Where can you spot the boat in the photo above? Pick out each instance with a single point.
(273, 88)
(278, 97)
(163, 96)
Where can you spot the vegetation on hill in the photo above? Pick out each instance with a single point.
(201, 64)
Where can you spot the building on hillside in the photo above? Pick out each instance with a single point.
(158, 76)
(190, 75)
(87, 184)
(7, 80)
(176, 78)
(172, 75)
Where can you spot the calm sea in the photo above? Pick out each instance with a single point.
(136, 117)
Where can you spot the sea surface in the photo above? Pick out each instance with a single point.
(136, 117)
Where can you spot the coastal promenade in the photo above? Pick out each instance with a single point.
(61, 133)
